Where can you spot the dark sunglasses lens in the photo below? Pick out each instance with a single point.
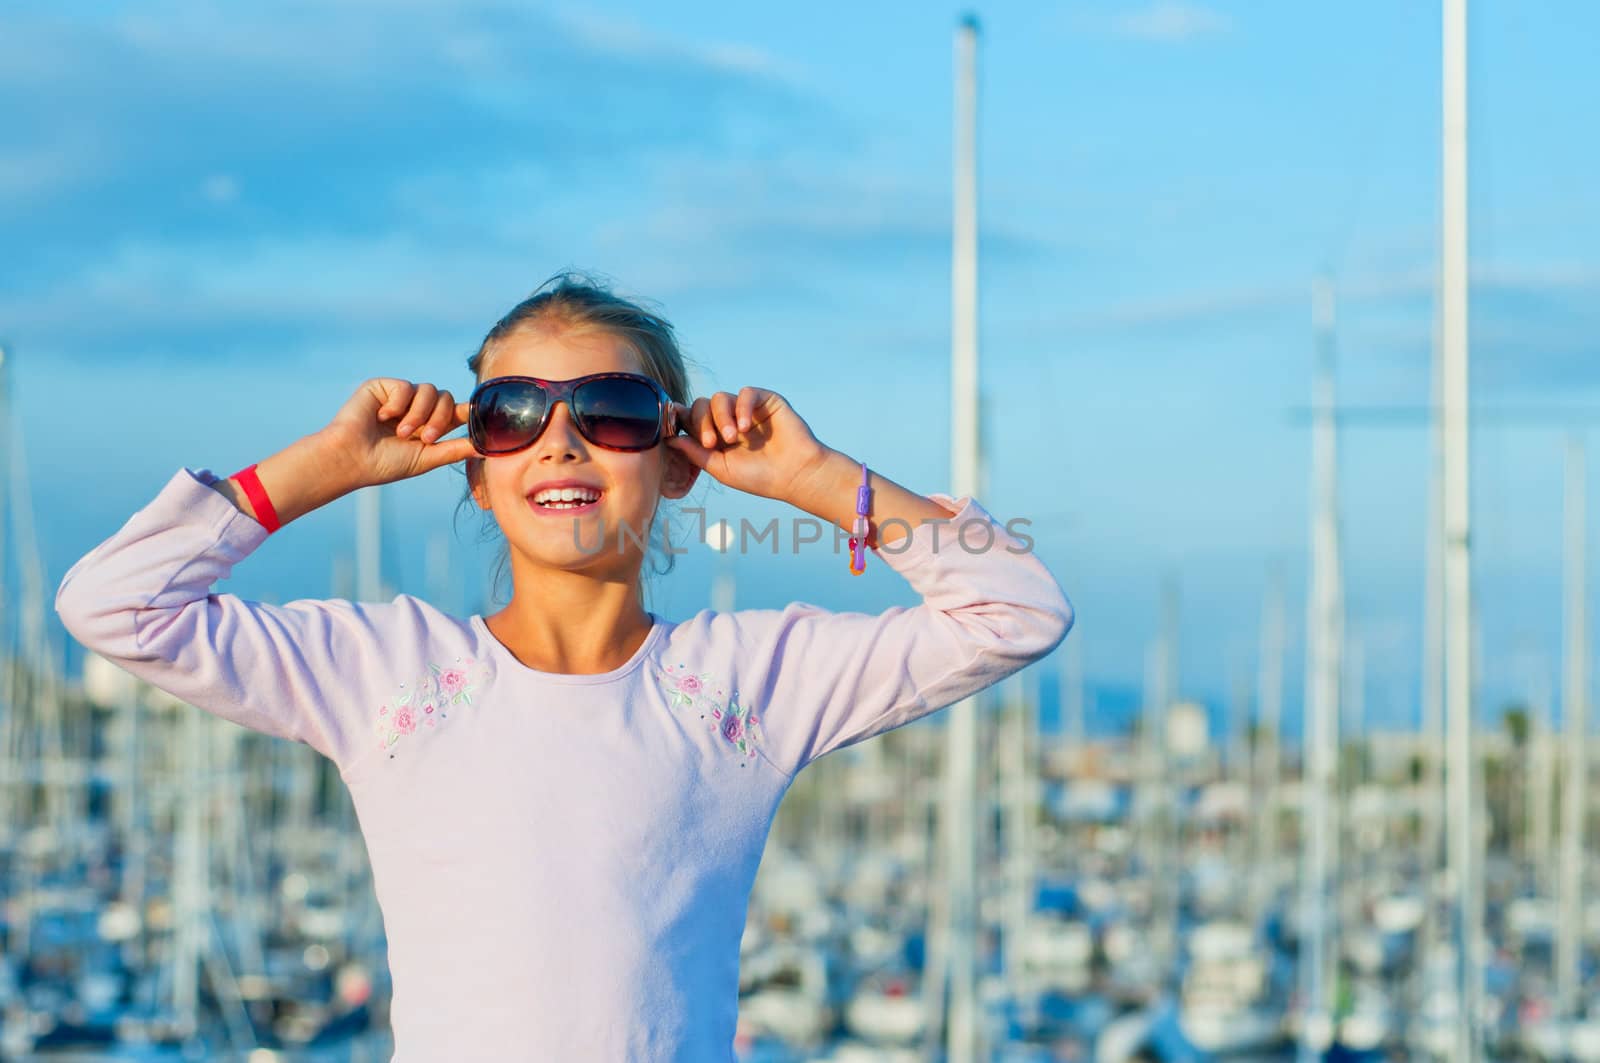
(618, 412)
(507, 416)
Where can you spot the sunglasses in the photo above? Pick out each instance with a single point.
(617, 411)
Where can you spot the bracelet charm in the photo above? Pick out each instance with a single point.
(858, 538)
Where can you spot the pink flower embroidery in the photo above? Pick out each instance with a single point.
(692, 692)
(683, 688)
(423, 700)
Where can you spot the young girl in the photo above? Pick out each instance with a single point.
(565, 802)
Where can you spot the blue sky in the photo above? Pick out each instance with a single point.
(218, 221)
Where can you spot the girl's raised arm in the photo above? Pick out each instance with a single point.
(357, 449)
(989, 608)
(811, 680)
(143, 598)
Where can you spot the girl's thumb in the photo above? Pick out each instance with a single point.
(448, 451)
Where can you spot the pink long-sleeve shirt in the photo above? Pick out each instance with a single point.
(563, 861)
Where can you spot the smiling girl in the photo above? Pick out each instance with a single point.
(565, 802)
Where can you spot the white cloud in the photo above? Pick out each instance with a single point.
(1170, 20)
(115, 115)
(220, 188)
(1412, 288)
(1192, 307)
(629, 38)
(37, 171)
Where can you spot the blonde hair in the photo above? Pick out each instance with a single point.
(576, 301)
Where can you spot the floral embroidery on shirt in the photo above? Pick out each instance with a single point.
(426, 700)
(733, 723)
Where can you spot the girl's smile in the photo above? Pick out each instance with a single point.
(565, 496)
(558, 506)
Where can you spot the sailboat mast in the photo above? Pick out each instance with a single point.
(12, 760)
(1324, 629)
(1166, 863)
(1540, 745)
(369, 548)
(1016, 784)
(1574, 718)
(1268, 759)
(1432, 804)
(1465, 872)
(961, 769)
(1071, 696)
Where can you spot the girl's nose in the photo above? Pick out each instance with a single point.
(561, 429)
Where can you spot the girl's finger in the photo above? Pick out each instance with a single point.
(443, 419)
(745, 406)
(421, 409)
(396, 397)
(722, 414)
(700, 422)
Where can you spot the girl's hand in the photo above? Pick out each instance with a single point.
(393, 429)
(753, 442)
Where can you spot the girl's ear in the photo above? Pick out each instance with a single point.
(480, 492)
(678, 476)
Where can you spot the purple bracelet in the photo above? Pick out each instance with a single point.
(858, 537)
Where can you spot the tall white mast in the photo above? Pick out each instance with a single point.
(369, 545)
(1432, 691)
(1165, 844)
(719, 537)
(1574, 718)
(1541, 744)
(1454, 396)
(1235, 765)
(1324, 633)
(1071, 697)
(1268, 759)
(192, 874)
(436, 573)
(11, 756)
(1017, 768)
(961, 769)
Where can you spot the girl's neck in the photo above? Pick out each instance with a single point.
(588, 638)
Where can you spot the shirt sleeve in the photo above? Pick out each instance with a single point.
(989, 608)
(143, 599)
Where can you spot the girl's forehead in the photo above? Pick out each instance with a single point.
(556, 353)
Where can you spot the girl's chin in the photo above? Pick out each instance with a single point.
(580, 538)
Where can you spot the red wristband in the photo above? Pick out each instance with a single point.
(247, 480)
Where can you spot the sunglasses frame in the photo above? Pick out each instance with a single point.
(562, 391)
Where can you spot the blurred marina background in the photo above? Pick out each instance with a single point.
(1192, 287)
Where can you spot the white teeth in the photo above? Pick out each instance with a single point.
(576, 495)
